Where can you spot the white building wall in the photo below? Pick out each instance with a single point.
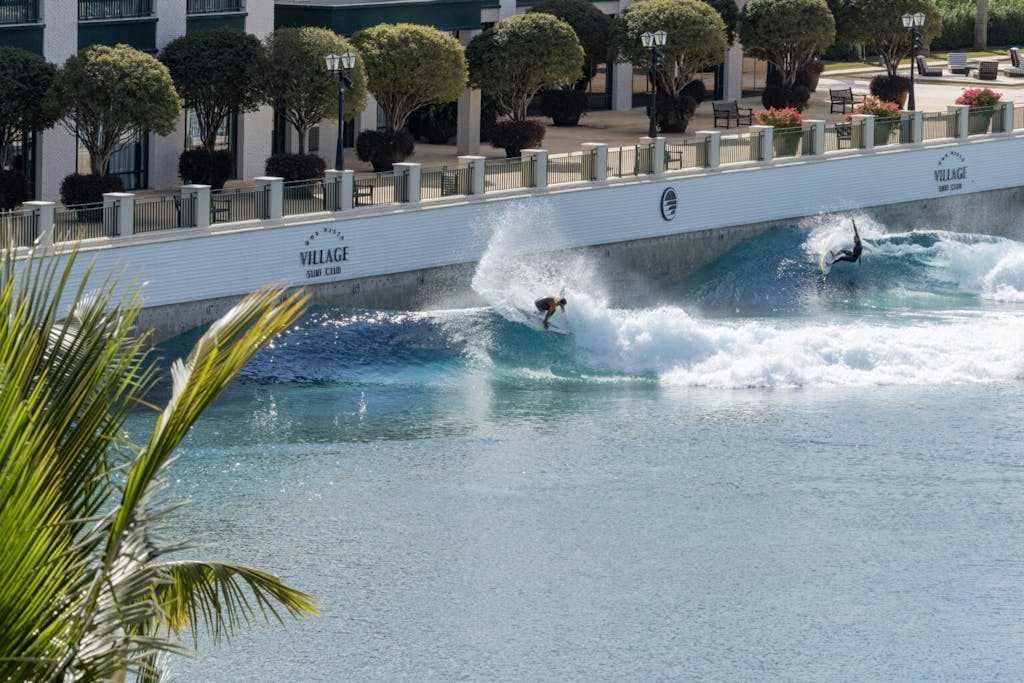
(165, 150)
(57, 147)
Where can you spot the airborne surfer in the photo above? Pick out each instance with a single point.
(846, 254)
(549, 304)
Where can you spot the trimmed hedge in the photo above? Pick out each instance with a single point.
(13, 189)
(383, 149)
(295, 166)
(203, 167)
(88, 189)
(514, 135)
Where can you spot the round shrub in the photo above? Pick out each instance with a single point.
(13, 189)
(88, 189)
(890, 88)
(674, 113)
(565, 107)
(295, 166)
(695, 89)
(515, 135)
(808, 73)
(203, 167)
(779, 97)
(383, 149)
(435, 123)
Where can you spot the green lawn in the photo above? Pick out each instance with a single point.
(934, 56)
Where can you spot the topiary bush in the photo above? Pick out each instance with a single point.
(808, 73)
(515, 135)
(295, 166)
(88, 189)
(674, 113)
(13, 189)
(695, 89)
(890, 88)
(435, 123)
(565, 107)
(779, 97)
(203, 167)
(383, 149)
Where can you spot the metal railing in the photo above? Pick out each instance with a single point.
(736, 148)
(631, 160)
(938, 125)
(387, 187)
(239, 204)
(19, 11)
(166, 212)
(214, 6)
(19, 228)
(889, 131)
(84, 221)
(113, 9)
(508, 174)
(687, 153)
(571, 167)
(307, 196)
(838, 136)
(808, 141)
(445, 182)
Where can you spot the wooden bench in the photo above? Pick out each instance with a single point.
(842, 98)
(731, 111)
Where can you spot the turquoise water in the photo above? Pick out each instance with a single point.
(747, 474)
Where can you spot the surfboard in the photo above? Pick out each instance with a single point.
(536, 320)
(824, 263)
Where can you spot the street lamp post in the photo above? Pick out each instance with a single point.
(653, 41)
(913, 22)
(340, 65)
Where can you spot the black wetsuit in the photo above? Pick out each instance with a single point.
(544, 304)
(847, 255)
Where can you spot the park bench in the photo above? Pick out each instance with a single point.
(957, 62)
(842, 98)
(731, 111)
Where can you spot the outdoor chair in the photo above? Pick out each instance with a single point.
(731, 111)
(988, 71)
(842, 98)
(924, 70)
(1016, 69)
(957, 62)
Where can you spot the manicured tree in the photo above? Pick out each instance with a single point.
(878, 24)
(786, 33)
(216, 72)
(297, 83)
(592, 26)
(103, 93)
(92, 587)
(25, 78)
(520, 56)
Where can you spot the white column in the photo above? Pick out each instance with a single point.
(476, 169)
(124, 212)
(348, 183)
(467, 137)
(540, 165)
(201, 201)
(732, 88)
(961, 122)
(865, 123)
(600, 151)
(45, 211)
(412, 180)
(658, 156)
(254, 135)
(818, 126)
(622, 86)
(917, 126)
(767, 150)
(1007, 113)
(506, 8)
(714, 147)
(276, 194)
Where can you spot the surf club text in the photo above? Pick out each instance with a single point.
(328, 260)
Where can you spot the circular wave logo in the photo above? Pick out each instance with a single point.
(669, 202)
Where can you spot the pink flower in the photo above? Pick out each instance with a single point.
(979, 97)
(780, 118)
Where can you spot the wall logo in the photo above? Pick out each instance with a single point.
(669, 203)
(324, 253)
(951, 173)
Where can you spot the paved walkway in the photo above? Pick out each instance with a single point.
(626, 127)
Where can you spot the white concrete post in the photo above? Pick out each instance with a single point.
(1007, 113)
(963, 115)
(714, 137)
(622, 86)
(124, 212)
(767, 151)
(917, 126)
(476, 172)
(412, 180)
(332, 188)
(600, 152)
(348, 185)
(658, 156)
(867, 131)
(45, 225)
(201, 201)
(818, 126)
(274, 210)
(540, 165)
(467, 136)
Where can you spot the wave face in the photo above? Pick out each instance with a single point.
(923, 308)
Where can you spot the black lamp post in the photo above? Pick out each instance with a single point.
(653, 41)
(341, 65)
(913, 22)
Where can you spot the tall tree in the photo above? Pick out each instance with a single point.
(981, 25)
(592, 26)
(297, 83)
(88, 588)
(786, 33)
(519, 56)
(25, 78)
(878, 24)
(409, 66)
(103, 93)
(216, 72)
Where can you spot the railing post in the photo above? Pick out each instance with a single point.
(962, 113)
(863, 125)
(1007, 112)
(767, 150)
(413, 175)
(917, 126)
(818, 126)
(540, 165)
(123, 204)
(200, 203)
(714, 151)
(275, 207)
(477, 168)
(332, 188)
(657, 155)
(348, 186)
(600, 152)
(44, 211)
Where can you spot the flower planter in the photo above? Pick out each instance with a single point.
(786, 141)
(883, 130)
(978, 121)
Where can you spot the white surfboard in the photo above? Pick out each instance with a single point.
(825, 262)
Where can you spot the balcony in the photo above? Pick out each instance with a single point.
(214, 6)
(19, 11)
(113, 9)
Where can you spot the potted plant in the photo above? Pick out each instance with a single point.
(982, 102)
(515, 135)
(787, 133)
(886, 116)
(890, 88)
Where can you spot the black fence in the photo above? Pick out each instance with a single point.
(19, 11)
